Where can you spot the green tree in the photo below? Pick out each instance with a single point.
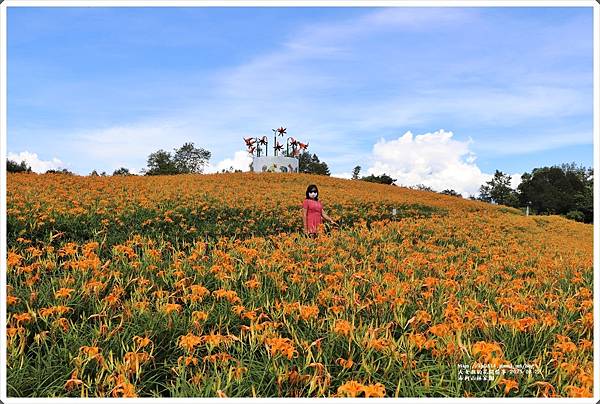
(59, 171)
(121, 171)
(161, 163)
(310, 164)
(379, 179)
(422, 187)
(584, 200)
(575, 215)
(451, 192)
(14, 167)
(554, 190)
(190, 159)
(356, 173)
(498, 190)
(185, 160)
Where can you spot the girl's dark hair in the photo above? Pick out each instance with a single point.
(312, 187)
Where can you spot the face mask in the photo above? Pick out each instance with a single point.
(313, 194)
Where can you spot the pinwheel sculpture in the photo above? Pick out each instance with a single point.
(294, 145)
(262, 142)
(253, 145)
(250, 141)
(278, 132)
(256, 145)
(278, 147)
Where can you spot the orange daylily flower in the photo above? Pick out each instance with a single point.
(509, 385)
(350, 389)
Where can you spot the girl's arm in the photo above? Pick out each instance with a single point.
(304, 222)
(325, 216)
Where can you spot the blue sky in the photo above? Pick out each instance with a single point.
(438, 96)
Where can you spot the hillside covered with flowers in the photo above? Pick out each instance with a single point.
(205, 285)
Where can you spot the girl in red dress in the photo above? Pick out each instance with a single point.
(312, 212)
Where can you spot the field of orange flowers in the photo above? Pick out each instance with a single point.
(203, 285)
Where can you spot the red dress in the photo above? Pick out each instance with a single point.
(313, 214)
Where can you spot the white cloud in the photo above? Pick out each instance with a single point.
(128, 145)
(532, 143)
(37, 165)
(336, 34)
(515, 180)
(342, 175)
(240, 161)
(510, 105)
(432, 159)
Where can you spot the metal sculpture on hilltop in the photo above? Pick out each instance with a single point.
(256, 146)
